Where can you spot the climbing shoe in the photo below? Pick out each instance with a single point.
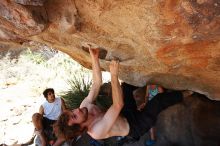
(150, 142)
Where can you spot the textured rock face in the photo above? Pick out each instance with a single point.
(172, 43)
(193, 122)
(19, 22)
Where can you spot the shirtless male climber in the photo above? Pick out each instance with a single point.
(122, 118)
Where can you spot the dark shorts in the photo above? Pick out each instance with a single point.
(141, 121)
(48, 128)
(48, 124)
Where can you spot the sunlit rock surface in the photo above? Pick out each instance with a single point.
(172, 43)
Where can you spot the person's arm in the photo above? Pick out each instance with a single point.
(147, 94)
(41, 110)
(59, 141)
(101, 129)
(63, 105)
(146, 97)
(97, 78)
(60, 137)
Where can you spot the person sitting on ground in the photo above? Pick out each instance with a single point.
(151, 92)
(122, 118)
(148, 92)
(48, 114)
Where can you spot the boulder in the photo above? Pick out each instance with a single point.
(193, 122)
(175, 44)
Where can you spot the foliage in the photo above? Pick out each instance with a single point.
(79, 88)
(35, 57)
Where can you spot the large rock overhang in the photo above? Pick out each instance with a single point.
(172, 43)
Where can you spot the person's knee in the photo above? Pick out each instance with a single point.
(36, 117)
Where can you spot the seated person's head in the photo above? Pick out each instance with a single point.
(139, 95)
(69, 122)
(106, 90)
(49, 94)
(104, 98)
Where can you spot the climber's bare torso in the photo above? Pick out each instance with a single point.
(96, 118)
